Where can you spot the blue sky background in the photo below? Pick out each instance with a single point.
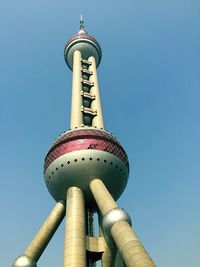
(149, 80)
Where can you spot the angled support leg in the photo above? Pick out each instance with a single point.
(42, 238)
(108, 257)
(116, 224)
(119, 260)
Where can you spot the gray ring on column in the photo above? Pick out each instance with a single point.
(113, 216)
(24, 261)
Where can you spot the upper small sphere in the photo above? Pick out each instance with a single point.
(86, 44)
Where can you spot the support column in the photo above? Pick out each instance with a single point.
(106, 203)
(96, 104)
(131, 249)
(44, 235)
(75, 235)
(118, 260)
(109, 254)
(103, 198)
(108, 257)
(76, 113)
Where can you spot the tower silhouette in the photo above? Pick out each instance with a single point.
(86, 170)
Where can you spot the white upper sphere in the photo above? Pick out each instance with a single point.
(86, 44)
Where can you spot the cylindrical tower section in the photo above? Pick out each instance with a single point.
(96, 103)
(108, 257)
(116, 225)
(76, 113)
(75, 235)
(131, 249)
(103, 198)
(78, 51)
(44, 235)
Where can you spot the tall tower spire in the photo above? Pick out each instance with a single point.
(81, 22)
(86, 170)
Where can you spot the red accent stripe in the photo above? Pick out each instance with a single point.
(84, 143)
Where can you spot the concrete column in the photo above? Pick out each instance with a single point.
(100, 222)
(44, 235)
(96, 104)
(118, 260)
(103, 198)
(76, 113)
(131, 249)
(75, 235)
(105, 203)
(108, 257)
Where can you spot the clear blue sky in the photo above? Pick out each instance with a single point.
(149, 79)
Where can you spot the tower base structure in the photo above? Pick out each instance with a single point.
(119, 245)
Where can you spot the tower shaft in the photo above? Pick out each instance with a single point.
(96, 103)
(86, 106)
(76, 113)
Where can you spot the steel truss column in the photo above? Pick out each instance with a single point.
(75, 235)
(117, 226)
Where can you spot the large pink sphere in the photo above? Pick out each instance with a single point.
(79, 156)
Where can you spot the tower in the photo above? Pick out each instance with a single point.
(86, 170)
